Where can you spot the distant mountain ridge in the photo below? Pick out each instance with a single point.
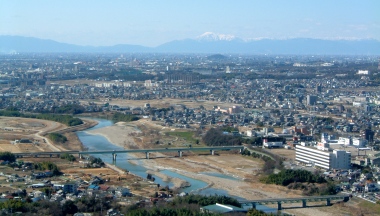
(206, 43)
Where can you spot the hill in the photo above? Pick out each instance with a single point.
(209, 44)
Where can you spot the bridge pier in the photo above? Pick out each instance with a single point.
(80, 156)
(303, 203)
(328, 202)
(241, 150)
(212, 152)
(279, 207)
(180, 153)
(147, 155)
(114, 156)
(58, 155)
(51, 155)
(254, 205)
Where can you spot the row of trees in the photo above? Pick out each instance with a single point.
(64, 119)
(68, 157)
(57, 138)
(285, 177)
(124, 117)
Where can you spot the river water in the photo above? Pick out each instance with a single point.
(135, 165)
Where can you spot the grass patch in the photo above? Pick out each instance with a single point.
(186, 135)
(370, 207)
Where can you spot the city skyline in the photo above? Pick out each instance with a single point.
(151, 23)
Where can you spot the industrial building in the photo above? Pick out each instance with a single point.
(336, 159)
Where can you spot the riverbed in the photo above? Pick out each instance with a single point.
(135, 165)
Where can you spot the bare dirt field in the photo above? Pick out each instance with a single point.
(287, 153)
(12, 129)
(35, 130)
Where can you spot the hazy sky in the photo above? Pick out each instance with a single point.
(153, 22)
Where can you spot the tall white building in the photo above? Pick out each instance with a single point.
(337, 159)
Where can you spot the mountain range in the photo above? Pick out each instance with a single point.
(206, 43)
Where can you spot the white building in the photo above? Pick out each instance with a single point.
(344, 141)
(267, 144)
(358, 142)
(363, 72)
(251, 133)
(149, 83)
(337, 159)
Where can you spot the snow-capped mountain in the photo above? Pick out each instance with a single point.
(210, 36)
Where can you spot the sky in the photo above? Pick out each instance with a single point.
(154, 22)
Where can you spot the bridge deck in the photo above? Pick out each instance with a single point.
(299, 199)
(223, 148)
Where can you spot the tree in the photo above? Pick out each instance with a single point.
(260, 124)
(56, 137)
(46, 165)
(69, 207)
(255, 212)
(7, 156)
(68, 157)
(215, 137)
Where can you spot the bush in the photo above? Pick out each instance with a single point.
(68, 157)
(95, 160)
(47, 166)
(123, 117)
(56, 137)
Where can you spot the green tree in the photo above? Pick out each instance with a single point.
(7, 156)
(58, 138)
(68, 157)
(124, 117)
(46, 165)
(69, 207)
(255, 212)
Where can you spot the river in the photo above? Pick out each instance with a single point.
(135, 165)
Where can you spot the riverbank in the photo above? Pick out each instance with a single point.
(73, 142)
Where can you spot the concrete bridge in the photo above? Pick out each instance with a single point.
(147, 152)
(303, 200)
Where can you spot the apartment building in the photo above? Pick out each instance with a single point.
(336, 159)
